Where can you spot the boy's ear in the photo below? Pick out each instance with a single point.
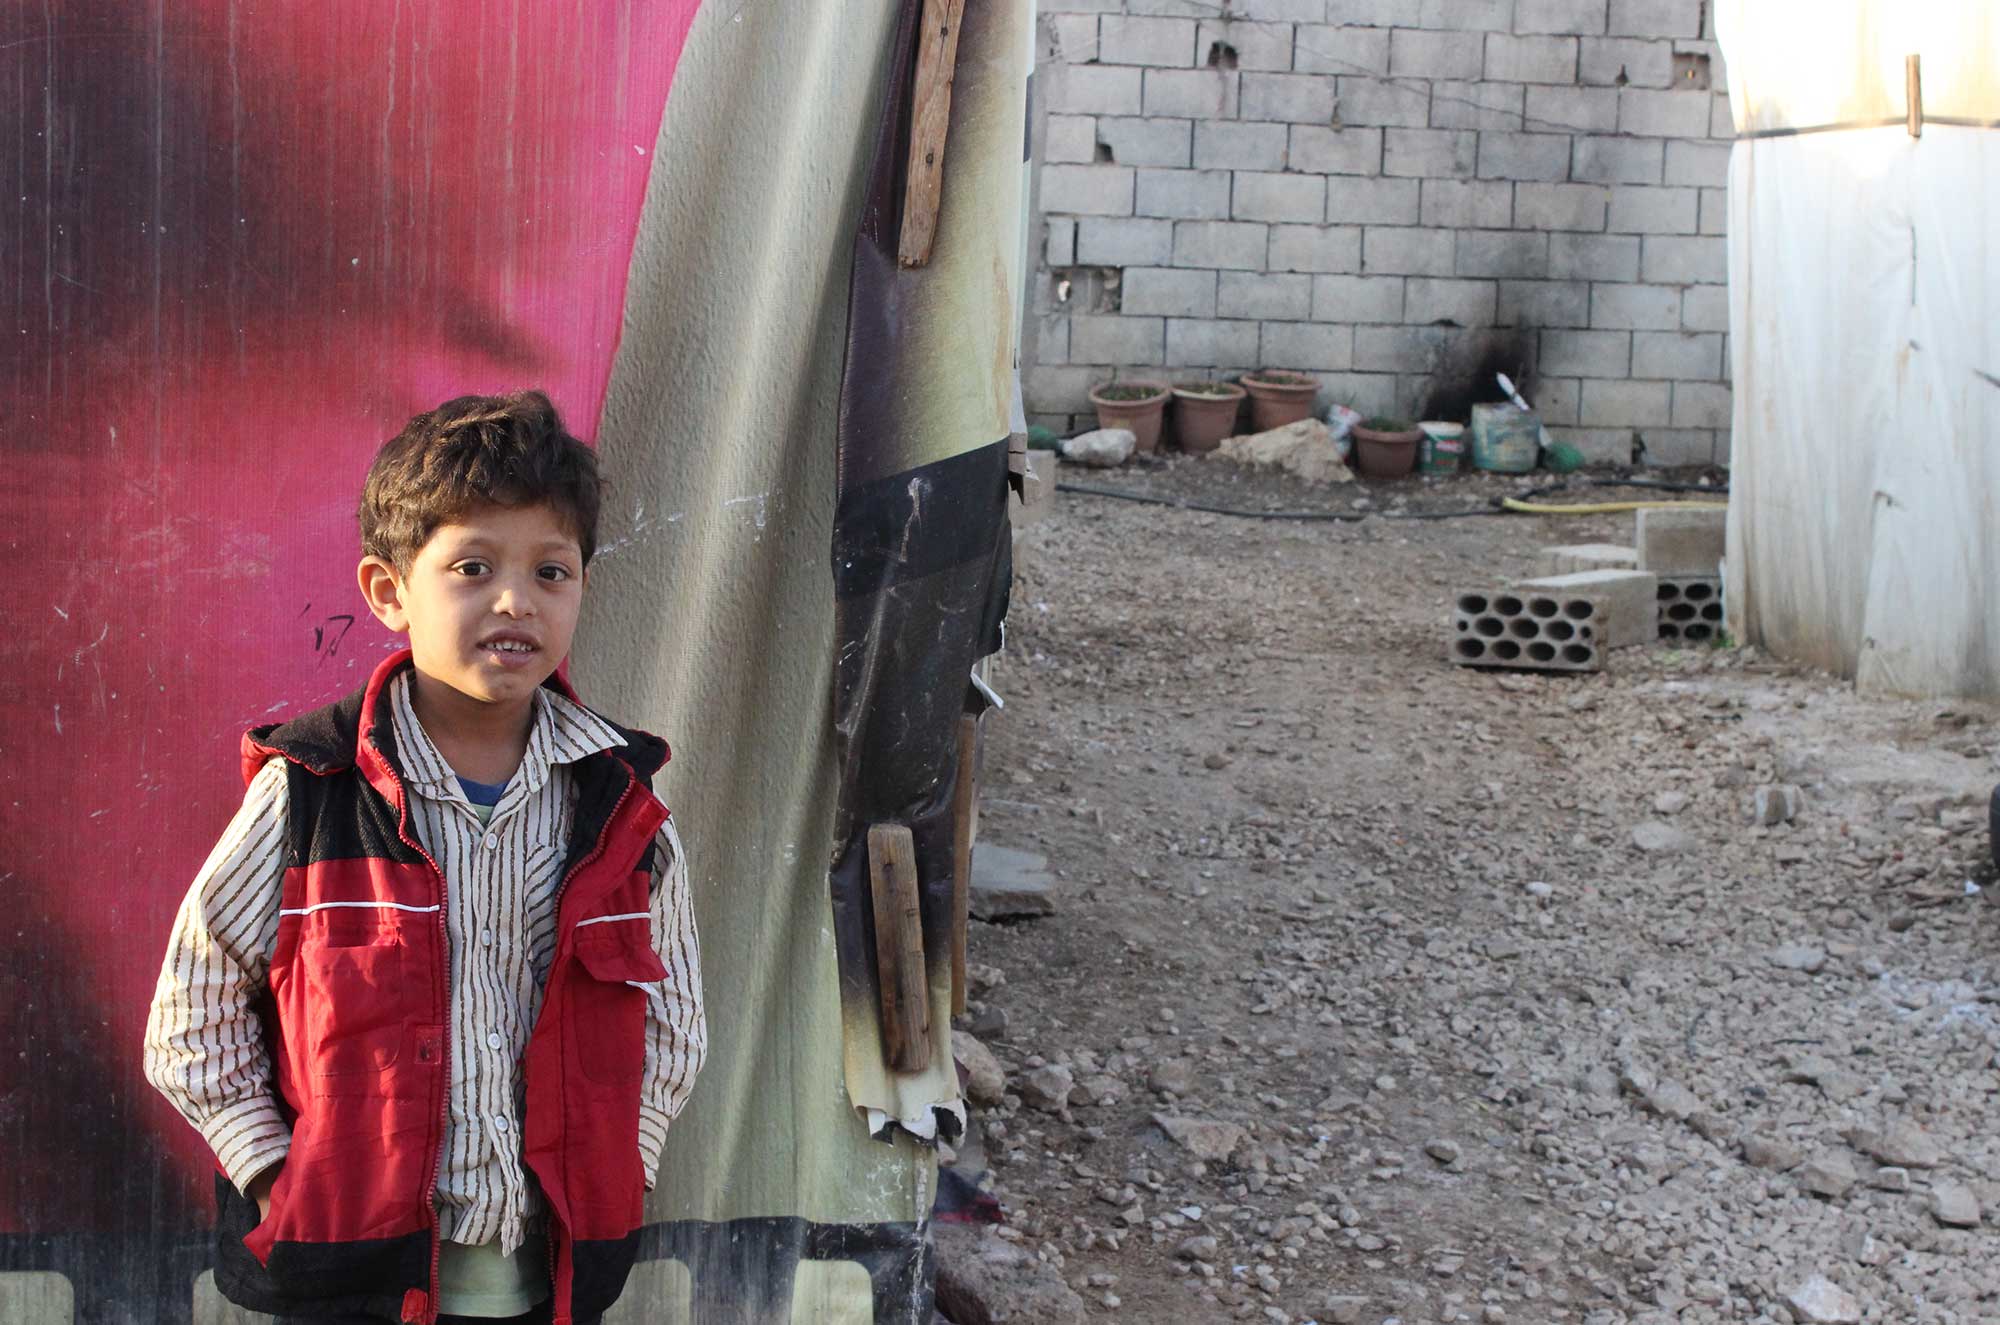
(383, 589)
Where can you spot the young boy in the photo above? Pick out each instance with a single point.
(435, 996)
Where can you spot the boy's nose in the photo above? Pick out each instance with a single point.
(513, 601)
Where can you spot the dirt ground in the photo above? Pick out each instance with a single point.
(1481, 991)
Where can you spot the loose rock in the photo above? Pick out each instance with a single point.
(1105, 448)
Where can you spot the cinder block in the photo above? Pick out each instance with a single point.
(1315, 248)
(1328, 151)
(1456, 105)
(1685, 260)
(1543, 304)
(1635, 307)
(1431, 153)
(1168, 292)
(1705, 308)
(1142, 142)
(1638, 209)
(1457, 204)
(1406, 251)
(1373, 201)
(1601, 159)
(1502, 253)
(1158, 42)
(1674, 113)
(1681, 542)
(1620, 403)
(1558, 400)
(1656, 18)
(1261, 196)
(1468, 15)
(1417, 54)
(1118, 341)
(1184, 195)
(1581, 257)
(1075, 37)
(1324, 49)
(1262, 295)
(1258, 46)
(1559, 207)
(1412, 349)
(1524, 156)
(1531, 59)
(1585, 557)
(1124, 242)
(1209, 343)
(1194, 94)
(1290, 98)
(1377, 101)
(1715, 211)
(1691, 608)
(1241, 245)
(1223, 145)
(1702, 165)
(1467, 303)
(1093, 89)
(1677, 355)
(1381, 13)
(1702, 404)
(1540, 631)
(1580, 17)
(1625, 61)
(1357, 299)
(1071, 139)
(1585, 353)
(1306, 346)
(1061, 248)
(1567, 109)
(1625, 602)
(1677, 448)
(1087, 190)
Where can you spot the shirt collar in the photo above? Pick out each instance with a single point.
(562, 732)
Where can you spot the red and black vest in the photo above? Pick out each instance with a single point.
(357, 1021)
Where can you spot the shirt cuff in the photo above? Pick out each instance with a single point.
(652, 1140)
(247, 1138)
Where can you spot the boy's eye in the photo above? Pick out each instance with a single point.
(554, 572)
(472, 568)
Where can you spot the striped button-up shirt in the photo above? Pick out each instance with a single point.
(204, 1045)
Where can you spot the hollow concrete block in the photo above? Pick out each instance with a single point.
(1627, 606)
(1682, 542)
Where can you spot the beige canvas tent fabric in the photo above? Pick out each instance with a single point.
(1866, 365)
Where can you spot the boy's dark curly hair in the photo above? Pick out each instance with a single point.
(507, 450)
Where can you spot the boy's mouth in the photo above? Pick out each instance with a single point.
(508, 643)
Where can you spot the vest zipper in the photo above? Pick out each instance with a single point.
(443, 992)
(562, 1312)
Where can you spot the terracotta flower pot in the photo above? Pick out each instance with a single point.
(1140, 417)
(1385, 454)
(1203, 418)
(1277, 399)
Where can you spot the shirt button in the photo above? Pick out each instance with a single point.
(499, 1123)
(486, 938)
(492, 841)
(493, 1040)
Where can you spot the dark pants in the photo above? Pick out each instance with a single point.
(538, 1316)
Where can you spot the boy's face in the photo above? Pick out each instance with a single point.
(489, 603)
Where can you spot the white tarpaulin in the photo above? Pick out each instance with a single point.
(1865, 358)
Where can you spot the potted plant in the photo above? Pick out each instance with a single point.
(1135, 406)
(1386, 448)
(1204, 414)
(1278, 398)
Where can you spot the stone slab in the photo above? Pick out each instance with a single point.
(1681, 542)
(1578, 557)
(1010, 884)
(1626, 599)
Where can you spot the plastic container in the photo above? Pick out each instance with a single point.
(1505, 439)
(1442, 449)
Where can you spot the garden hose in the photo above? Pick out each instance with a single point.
(1610, 507)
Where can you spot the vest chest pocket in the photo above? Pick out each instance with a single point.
(356, 972)
(607, 1016)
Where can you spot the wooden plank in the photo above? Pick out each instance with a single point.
(964, 823)
(1913, 87)
(930, 118)
(899, 948)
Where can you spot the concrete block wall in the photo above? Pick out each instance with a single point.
(1397, 195)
